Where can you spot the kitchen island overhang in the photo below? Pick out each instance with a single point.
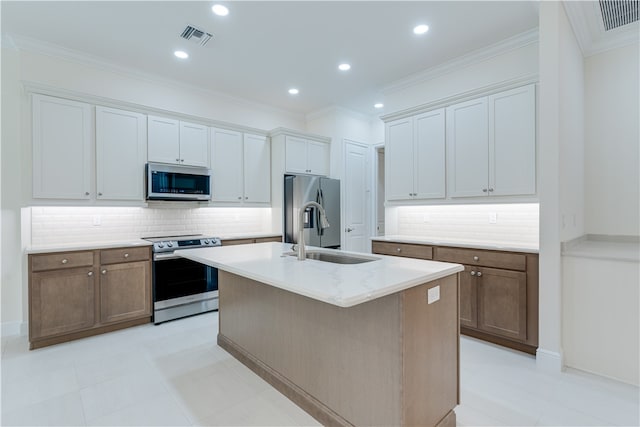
(362, 344)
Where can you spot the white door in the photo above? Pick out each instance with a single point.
(296, 155)
(194, 145)
(163, 145)
(257, 169)
(429, 148)
(120, 154)
(468, 149)
(226, 166)
(318, 158)
(355, 198)
(399, 159)
(62, 148)
(512, 142)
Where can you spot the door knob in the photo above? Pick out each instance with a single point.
(348, 229)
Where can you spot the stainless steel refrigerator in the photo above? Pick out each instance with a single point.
(299, 189)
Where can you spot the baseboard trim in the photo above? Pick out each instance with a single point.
(548, 361)
(318, 410)
(14, 328)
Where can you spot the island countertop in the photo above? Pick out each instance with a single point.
(337, 284)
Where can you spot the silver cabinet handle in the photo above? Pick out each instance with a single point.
(239, 197)
(490, 190)
(86, 193)
(64, 261)
(246, 198)
(473, 273)
(177, 160)
(104, 272)
(398, 250)
(126, 255)
(479, 273)
(182, 160)
(90, 273)
(99, 194)
(484, 190)
(475, 258)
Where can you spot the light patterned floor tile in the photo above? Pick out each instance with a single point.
(65, 410)
(162, 410)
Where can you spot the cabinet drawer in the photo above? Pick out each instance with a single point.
(60, 260)
(114, 256)
(402, 249)
(509, 261)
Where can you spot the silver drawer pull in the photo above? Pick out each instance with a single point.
(475, 258)
(90, 273)
(104, 272)
(479, 273)
(64, 261)
(473, 273)
(126, 255)
(399, 249)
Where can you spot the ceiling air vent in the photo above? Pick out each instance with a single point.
(196, 35)
(616, 13)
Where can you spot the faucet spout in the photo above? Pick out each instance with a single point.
(302, 253)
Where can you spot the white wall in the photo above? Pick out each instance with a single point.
(612, 156)
(96, 80)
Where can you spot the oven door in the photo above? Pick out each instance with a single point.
(179, 277)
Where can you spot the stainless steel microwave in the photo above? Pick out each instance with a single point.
(186, 183)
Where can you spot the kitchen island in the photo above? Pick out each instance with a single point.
(374, 343)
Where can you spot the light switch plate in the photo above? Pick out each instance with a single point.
(493, 218)
(97, 220)
(433, 294)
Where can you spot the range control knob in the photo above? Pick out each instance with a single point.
(206, 242)
(160, 245)
(169, 244)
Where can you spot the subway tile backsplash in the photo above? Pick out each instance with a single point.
(68, 225)
(514, 223)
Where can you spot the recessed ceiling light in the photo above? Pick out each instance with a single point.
(294, 91)
(421, 29)
(378, 105)
(220, 10)
(181, 54)
(344, 67)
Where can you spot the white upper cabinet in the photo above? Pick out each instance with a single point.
(62, 148)
(415, 157)
(306, 156)
(194, 145)
(468, 148)
(241, 167)
(257, 169)
(491, 145)
(121, 142)
(176, 142)
(512, 142)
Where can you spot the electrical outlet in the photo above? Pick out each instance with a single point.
(433, 294)
(493, 218)
(426, 217)
(97, 220)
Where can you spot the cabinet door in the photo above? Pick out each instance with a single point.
(296, 155)
(120, 154)
(194, 145)
(429, 158)
(62, 148)
(125, 291)
(61, 301)
(502, 302)
(399, 161)
(468, 149)
(468, 298)
(257, 169)
(164, 140)
(318, 158)
(226, 166)
(512, 142)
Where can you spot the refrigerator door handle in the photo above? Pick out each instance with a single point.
(321, 202)
(317, 213)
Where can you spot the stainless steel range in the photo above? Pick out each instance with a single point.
(182, 287)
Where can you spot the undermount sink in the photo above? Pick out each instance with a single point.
(336, 258)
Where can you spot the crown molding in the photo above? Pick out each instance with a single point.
(586, 22)
(39, 47)
(300, 134)
(338, 109)
(504, 46)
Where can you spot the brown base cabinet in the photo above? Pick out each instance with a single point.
(229, 242)
(498, 292)
(83, 293)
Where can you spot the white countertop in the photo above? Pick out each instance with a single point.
(86, 246)
(337, 284)
(616, 248)
(463, 243)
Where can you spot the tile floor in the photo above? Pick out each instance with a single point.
(175, 375)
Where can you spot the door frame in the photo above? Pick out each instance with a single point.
(374, 189)
(368, 216)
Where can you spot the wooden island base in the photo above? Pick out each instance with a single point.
(390, 361)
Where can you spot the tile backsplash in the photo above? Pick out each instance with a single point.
(510, 223)
(62, 225)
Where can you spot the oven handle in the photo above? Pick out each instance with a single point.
(162, 257)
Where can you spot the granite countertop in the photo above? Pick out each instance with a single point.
(337, 284)
(463, 243)
(616, 248)
(86, 246)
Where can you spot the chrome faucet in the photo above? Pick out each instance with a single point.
(302, 253)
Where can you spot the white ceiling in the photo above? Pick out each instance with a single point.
(263, 48)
